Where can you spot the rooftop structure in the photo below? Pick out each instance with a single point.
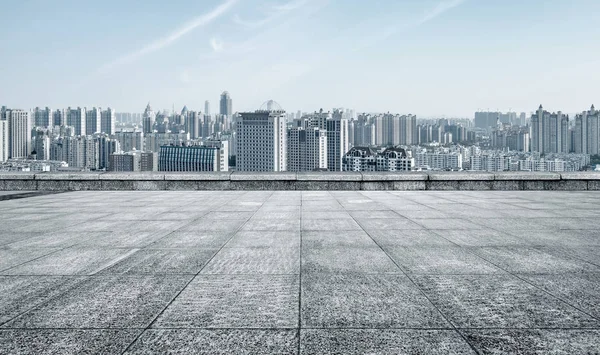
(311, 272)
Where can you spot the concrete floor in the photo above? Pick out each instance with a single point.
(309, 272)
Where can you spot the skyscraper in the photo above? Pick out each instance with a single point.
(262, 141)
(148, 119)
(226, 107)
(3, 140)
(207, 107)
(337, 141)
(19, 127)
(93, 121)
(586, 133)
(43, 117)
(76, 118)
(307, 149)
(549, 132)
(107, 121)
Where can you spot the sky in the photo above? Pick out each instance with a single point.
(433, 58)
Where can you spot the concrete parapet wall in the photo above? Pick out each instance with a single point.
(300, 181)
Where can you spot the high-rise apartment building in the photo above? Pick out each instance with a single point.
(19, 138)
(76, 118)
(43, 117)
(337, 140)
(262, 141)
(107, 121)
(226, 106)
(130, 140)
(306, 149)
(207, 107)
(549, 132)
(148, 119)
(4, 137)
(586, 134)
(93, 120)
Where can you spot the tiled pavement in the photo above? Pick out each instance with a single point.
(309, 272)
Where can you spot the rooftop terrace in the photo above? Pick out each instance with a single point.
(310, 272)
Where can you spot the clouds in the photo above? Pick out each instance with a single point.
(163, 42)
(216, 44)
(271, 13)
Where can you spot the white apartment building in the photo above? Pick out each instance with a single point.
(307, 149)
(43, 117)
(262, 141)
(19, 128)
(367, 159)
(3, 140)
(76, 118)
(337, 140)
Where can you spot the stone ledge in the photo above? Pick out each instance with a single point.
(367, 181)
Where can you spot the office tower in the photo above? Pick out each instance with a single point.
(124, 162)
(549, 132)
(207, 107)
(93, 121)
(130, 140)
(19, 138)
(307, 149)
(76, 117)
(337, 140)
(148, 161)
(190, 158)
(261, 141)
(106, 147)
(107, 121)
(522, 119)
(43, 117)
(223, 146)
(208, 126)
(226, 106)
(148, 119)
(3, 140)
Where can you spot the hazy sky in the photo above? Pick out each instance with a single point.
(428, 57)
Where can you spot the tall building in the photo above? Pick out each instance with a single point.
(226, 106)
(76, 118)
(130, 140)
(4, 137)
(367, 159)
(586, 134)
(549, 132)
(43, 117)
(41, 144)
(306, 149)
(148, 119)
(59, 117)
(337, 140)
(190, 158)
(93, 120)
(19, 138)
(261, 141)
(107, 121)
(207, 107)
(192, 124)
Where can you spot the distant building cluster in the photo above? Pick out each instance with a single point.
(271, 139)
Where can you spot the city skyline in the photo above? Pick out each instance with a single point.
(430, 58)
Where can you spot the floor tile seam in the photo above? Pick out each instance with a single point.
(34, 259)
(423, 293)
(153, 321)
(299, 333)
(557, 297)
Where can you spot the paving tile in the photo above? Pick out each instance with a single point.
(534, 341)
(409, 237)
(439, 260)
(63, 239)
(533, 260)
(272, 225)
(216, 341)
(581, 290)
(255, 261)
(446, 223)
(106, 302)
(480, 237)
(22, 293)
(124, 238)
(7, 237)
(204, 224)
(374, 214)
(365, 301)
(66, 341)
(400, 223)
(72, 261)
(336, 238)
(347, 260)
(193, 239)
(235, 301)
(246, 239)
(163, 261)
(326, 215)
(10, 258)
(343, 224)
(571, 238)
(499, 301)
(382, 341)
(227, 215)
(276, 214)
